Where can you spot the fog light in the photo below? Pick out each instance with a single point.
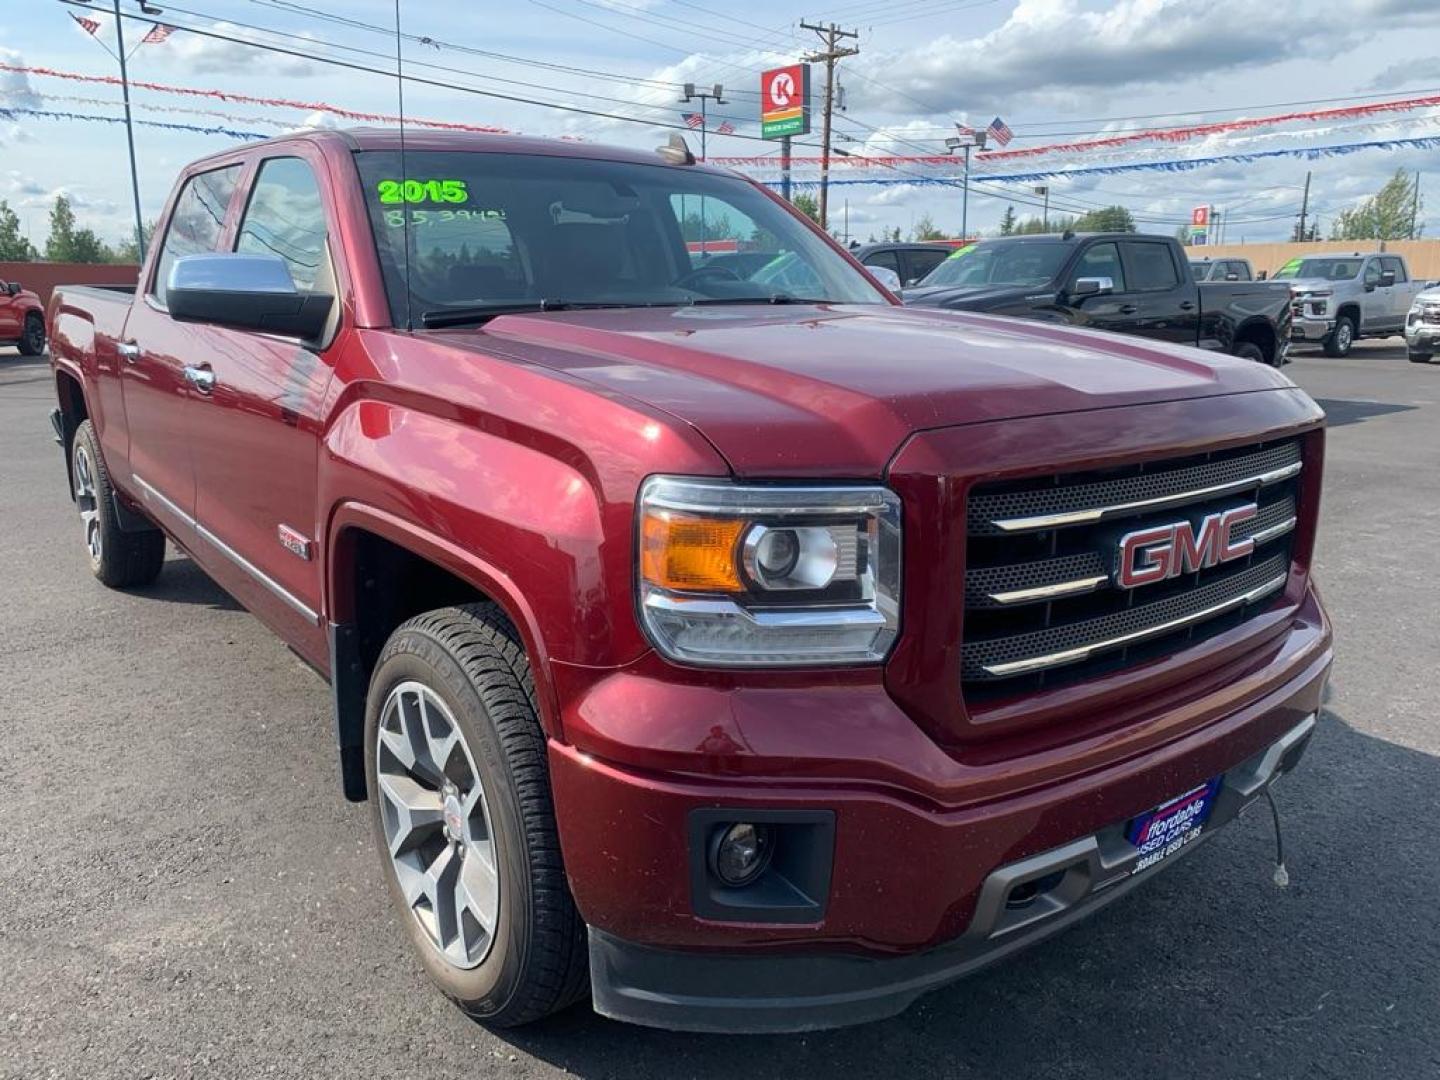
(741, 853)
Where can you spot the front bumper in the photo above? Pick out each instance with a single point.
(803, 991)
(1423, 337)
(1309, 328)
(920, 838)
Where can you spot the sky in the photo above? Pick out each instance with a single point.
(1055, 70)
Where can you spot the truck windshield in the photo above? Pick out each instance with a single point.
(1032, 262)
(491, 232)
(1329, 269)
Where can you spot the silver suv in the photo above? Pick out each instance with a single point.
(1422, 327)
(1338, 299)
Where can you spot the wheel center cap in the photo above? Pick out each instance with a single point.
(454, 818)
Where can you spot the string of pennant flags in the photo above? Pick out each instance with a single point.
(1175, 165)
(1103, 156)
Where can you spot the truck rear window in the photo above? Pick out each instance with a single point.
(499, 230)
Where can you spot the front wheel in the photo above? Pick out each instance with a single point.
(455, 761)
(119, 559)
(1248, 350)
(1419, 357)
(1341, 338)
(32, 340)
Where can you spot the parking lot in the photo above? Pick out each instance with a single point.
(183, 892)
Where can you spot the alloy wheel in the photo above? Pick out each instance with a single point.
(437, 824)
(87, 502)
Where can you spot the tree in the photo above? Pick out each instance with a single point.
(924, 229)
(1182, 233)
(1007, 223)
(1390, 214)
(66, 243)
(1106, 219)
(807, 205)
(127, 251)
(13, 246)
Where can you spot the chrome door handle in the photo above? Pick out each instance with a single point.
(1128, 309)
(202, 378)
(129, 351)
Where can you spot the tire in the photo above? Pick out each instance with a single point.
(118, 559)
(466, 666)
(1342, 338)
(1248, 350)
(32, 339)
(1419, 357)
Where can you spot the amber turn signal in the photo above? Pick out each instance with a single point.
(688, 553)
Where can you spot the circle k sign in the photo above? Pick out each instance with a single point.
(785, 101)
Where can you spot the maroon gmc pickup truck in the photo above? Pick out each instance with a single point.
(725, 643)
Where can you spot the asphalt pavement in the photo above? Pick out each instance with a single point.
(183, 892)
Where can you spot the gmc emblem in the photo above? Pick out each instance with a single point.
(1167, 551)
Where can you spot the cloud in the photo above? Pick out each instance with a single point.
(203, 55)
(1059, 47)
(15, 88)
(1425, 69)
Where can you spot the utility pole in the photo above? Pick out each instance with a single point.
(1044, 189)
(1415, 206)
(1304, 207)
(831, 35)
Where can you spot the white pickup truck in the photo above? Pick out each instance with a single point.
(1338, 298)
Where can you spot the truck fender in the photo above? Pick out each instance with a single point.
(348, 682)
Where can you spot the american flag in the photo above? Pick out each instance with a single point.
(692, 119)
(1001, 131)
(725, 128)
(157, 35)
(964, 130)
(88, 25)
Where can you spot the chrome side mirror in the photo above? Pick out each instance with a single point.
(887, 277)
(1092, 286)
(249, 292)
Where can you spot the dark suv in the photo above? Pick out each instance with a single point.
(911, 262)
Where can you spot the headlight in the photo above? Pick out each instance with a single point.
(744, 575)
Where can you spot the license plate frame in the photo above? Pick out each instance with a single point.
(1163, 831)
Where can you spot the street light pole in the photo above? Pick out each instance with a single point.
(974, 141)
(129, 131)
(717, 94)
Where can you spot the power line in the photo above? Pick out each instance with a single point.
(420, 81)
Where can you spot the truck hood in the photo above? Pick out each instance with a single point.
(968, 296)
(1317, 284)
(822, 390)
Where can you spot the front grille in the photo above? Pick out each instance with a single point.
(1041, 605)
(1430, 315)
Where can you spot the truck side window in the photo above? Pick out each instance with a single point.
(887, 259)
(197, 221)
(286, 218)
(1152, 269)
(1102, 260)
(1396, 267)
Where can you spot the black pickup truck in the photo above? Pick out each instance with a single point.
(1123, 282)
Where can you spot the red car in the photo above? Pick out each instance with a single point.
(22, 319)
(729, 645)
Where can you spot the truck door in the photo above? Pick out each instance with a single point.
(1400, 292)
(1374, 300)
(1165, 301)
(160, 360)
(9, 315)
(255, 464)
(1115, 310)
